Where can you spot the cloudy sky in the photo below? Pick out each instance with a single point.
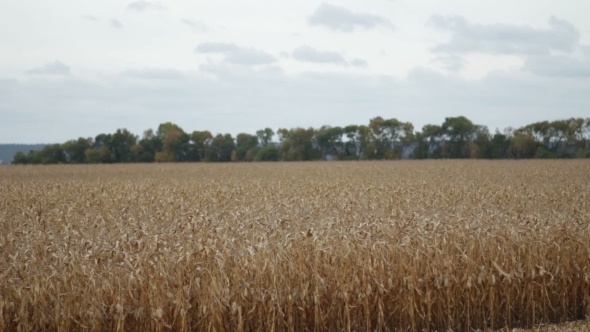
(74, 68)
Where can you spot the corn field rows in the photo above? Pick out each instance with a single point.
(359, 246)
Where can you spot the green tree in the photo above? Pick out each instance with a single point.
(165, 128)
(176, 143)
(583, 138)
(459, 133)
(390, 137)
(246, 143)
(523, 145)
(429, 142)
(298, 145)
(329, 140)
(481, 145)
(434, 136)
(151, 144)
(34, 157)
(106, 156)
(267, 153)
(92, 156)
(180, 146)
(136, 152)
(351, 145)
(201, 145)
(53, 154)
(499, 145)
(75, 150)
(102, 140)
(265, 136)
(408, 138)
(222, 147)
(165, 156)
(20, 158)
(121, 142)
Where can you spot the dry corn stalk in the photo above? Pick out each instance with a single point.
(290, 247)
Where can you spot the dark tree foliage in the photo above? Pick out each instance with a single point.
(381, 139)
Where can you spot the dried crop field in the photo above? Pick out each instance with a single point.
(356, 246)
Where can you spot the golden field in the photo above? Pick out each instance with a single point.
(355, 246)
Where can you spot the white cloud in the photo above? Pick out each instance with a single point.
(309, 54)
(89, 17)
(468, 37)
(154, 74)
(54, 68)
(195, 24)
(238, 55)
(216, 48)
(359, 63)
(250, 56)
(116, 24)
(268, 96)
(557, 66)
(503, 65)
(341, 19)
(450, 62)
(141, 6)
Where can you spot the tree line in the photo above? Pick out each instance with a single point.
(381, 139)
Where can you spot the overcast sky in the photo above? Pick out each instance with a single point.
(74, 68)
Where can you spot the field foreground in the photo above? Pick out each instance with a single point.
(358, 246)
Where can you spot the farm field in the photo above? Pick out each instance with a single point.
(339, 246)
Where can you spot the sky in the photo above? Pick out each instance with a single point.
(74, 68)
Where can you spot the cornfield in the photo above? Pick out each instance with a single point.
(357, 246)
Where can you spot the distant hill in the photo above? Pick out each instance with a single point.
(7, 151)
